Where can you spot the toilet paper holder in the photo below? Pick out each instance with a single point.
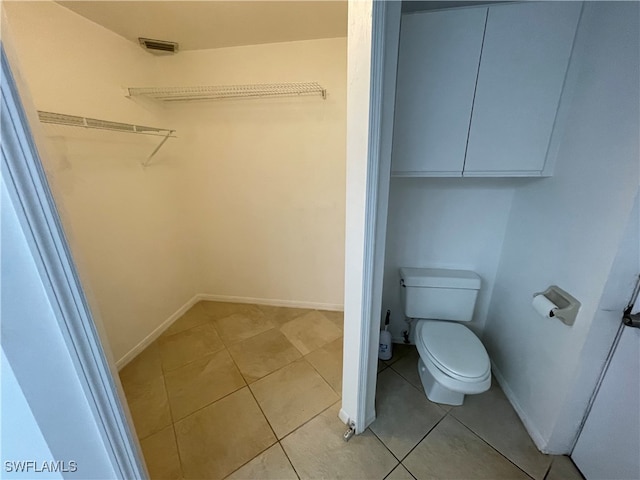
(568, 305)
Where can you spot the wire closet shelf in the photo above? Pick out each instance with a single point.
(76, 121)
(219, 92)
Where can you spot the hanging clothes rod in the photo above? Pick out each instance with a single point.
(218, 92)
(75, 121)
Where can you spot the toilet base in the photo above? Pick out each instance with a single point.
(435, 391)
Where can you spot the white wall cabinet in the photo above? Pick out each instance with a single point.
(478, 88)
(437, 68)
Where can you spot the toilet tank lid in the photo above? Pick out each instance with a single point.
(439, 278)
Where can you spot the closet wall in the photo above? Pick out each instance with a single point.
(267, 176)
(126, 225)
(247, 204)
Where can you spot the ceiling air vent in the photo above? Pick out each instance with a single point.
(158, 47)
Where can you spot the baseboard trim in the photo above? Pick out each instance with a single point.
(343, 416)
(533, 431)
(146, 341)
(272, 302)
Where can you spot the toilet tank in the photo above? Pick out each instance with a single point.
(439, 294)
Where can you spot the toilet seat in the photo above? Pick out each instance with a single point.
(454, 349)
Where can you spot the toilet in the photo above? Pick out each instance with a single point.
(453, 362)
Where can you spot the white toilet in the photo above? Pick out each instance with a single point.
(453, 362)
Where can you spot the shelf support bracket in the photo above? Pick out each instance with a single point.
(146, 162)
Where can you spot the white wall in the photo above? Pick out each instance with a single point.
(565, 230)
(266, 176)
(125, 224)
(39, 358)
(454, 223)
(21, 438)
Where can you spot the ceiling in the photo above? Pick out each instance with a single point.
(215, 24)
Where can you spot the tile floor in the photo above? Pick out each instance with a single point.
(243, 391)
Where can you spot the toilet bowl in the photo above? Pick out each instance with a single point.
(453, 362)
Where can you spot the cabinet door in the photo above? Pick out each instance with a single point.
(437, 69)
(524, 61)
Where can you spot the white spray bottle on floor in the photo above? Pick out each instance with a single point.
(385, 350)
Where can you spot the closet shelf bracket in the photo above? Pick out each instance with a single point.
(84, 122)
(167, 137)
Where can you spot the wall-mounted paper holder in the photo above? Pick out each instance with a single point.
(568, 305)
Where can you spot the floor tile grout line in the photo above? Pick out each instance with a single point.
(422, 439)
(322, 376)
(546, 474)
(164, 334)
(170, 414)
(175, 437)
(224, 344)
(251, 459)
(412, 475)
(259, 407)
(400, 465)
(217, 399)
(224, 347)
(450, 411)
(405, 378)
(388, 449)
(263, 414)
(194, 360)
(494, 448)
(312, 418)
(256, 400)
(288, 458)
(421, 390)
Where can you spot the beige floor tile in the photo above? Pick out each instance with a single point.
(404, 415)
(161, 455)
(201, 382)
(562, 468)
(149, 406)
(327, 361)
(240, 326)
(281, 315)
(317, 450)
(262, 354)
(491, 416)
(451, 451)
(337, 318)
(189, 345)
(272, 464)
(220, 438)
(292, 395)
(407, 367)
(310, 331)
(193, 317)
(217, 310)
(146, 366)
(381, 366)
(399, 473)
(399, 351)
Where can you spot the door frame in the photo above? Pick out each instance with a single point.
(26, 182)
(374, 30)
